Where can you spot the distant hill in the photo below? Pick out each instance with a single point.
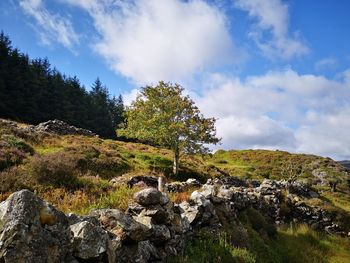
(345, 163)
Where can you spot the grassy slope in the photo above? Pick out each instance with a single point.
(72, 172)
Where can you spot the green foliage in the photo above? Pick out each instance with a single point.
(163, 116)
(19, 144)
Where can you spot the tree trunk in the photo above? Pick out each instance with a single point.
(176, 162)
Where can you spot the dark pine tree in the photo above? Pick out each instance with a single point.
(31, 91)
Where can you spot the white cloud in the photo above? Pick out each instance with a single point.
(271, 32)
(152, 40)
(326, 63)
(261, 132)
(52, 27)
(129, 97)
(326, 134)
(281, 110)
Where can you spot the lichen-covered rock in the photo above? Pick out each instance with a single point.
(150, 196)
(89, 241)
(142, 252)
(176, 187)
(32, 230)
(121, 225)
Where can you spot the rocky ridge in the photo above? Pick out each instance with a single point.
(153, 228)
(52, 126)
(60, 128)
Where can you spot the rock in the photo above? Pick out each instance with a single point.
(191, 214)
(302, 190)
(208, 191)
(89, 241)
(225, 193)
(120, 180)
(157, 232)
(121, 225)
(320, 176)
(142, 252)
(32, 230)
(150, 181)
(150, 196)
(177, 187)
(61, 128)
(234, 181)
(191, 182)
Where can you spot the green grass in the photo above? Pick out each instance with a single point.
(298, 244)
(207, 248)
(118, 198)
(339, 199)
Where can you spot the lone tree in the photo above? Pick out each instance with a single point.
(164, 116)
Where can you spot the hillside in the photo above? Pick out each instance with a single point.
(73, 172)
(88, 163)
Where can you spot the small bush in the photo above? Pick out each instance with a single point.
(180, 197)
(53, 169)
(19, 144)
(12, 180)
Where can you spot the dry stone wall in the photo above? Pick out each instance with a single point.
(152, 229)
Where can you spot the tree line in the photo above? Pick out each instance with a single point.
(32, 91)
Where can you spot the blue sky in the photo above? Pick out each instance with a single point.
(276, 73)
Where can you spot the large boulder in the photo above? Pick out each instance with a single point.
(32, 230)
(150, 196)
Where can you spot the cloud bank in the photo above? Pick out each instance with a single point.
(281, 110)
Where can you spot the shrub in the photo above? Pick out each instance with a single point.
(13, 151)
(12, 180)
(180, 197)
(19, 144)
(53, 169)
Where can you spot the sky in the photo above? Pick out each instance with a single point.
(275, 73)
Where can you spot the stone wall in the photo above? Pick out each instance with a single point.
(151, 229)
